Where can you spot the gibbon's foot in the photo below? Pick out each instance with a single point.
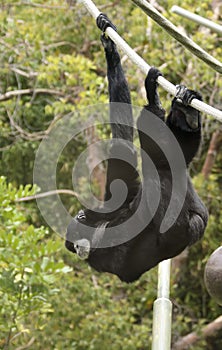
(104, 22)
(185, 96)
(151, 78)
(152, 93)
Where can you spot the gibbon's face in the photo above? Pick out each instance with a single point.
(82, 232)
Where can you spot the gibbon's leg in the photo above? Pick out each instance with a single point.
(185, 122)
(146, 122)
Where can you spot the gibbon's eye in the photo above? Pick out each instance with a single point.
(81, 215)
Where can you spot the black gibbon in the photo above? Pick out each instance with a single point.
(130, 259)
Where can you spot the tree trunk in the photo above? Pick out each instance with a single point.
(215, 144)
(93, 159)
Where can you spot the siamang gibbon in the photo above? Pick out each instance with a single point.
(136, 254)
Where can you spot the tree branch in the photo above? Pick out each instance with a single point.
(24, 74)
(10, 94)
(46, 194)
(2, 42)
(23, 347)
(175, 33)
(26, 135)
(58, 44)
(210, 330)
(33, 4)
(215, 145)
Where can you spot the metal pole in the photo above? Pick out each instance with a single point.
(162, 309)
(196, 18)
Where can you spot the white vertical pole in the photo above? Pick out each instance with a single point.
(162, 309)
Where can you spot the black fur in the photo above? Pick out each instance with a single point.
(134, 257)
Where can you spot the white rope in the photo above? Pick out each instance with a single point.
(139, 61)
(198, 19)
(176, 33)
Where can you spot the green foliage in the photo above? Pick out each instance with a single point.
(29, 268)
(83, 309)
(72, 71)
(98, 311)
